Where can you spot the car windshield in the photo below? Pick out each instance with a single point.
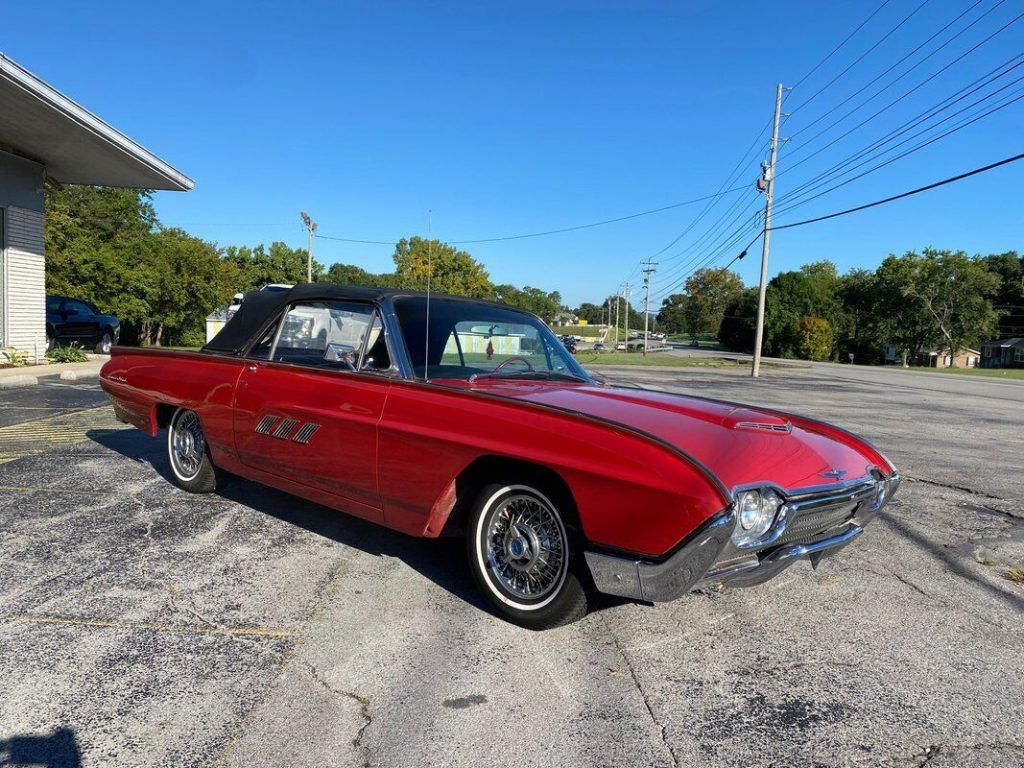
(469, 340)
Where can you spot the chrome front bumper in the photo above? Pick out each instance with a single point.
(708, 558)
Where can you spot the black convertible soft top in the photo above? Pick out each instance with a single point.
(258, 307)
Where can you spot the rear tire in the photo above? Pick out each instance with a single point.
(189, 454)
(522, 558)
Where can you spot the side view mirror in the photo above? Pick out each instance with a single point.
(341, 353)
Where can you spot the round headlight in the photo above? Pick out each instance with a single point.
(749, 509)
(756, 510)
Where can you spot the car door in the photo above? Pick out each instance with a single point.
(76, 322)
(310, 397)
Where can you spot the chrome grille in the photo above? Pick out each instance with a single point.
(811, 524)
(284, 428)
(306, 432)
(265, 424)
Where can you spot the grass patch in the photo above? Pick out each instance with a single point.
(988, 373)
(1016, 575)
(674, 361)
(586, 331)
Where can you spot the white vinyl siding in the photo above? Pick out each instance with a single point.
(25, 276)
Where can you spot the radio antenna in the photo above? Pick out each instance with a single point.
(426, 333)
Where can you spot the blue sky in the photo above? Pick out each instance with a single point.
(506, 118)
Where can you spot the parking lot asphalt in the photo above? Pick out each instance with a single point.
(144, 626)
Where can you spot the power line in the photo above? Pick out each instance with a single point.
(894, 102)
(900, 196)
(963, 124)
(720, 193)
(877, 78)
(847, 39)
(860, 58)
(949, 101)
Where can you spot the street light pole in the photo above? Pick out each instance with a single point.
(310, 229)
(768, 179)
(629, 289)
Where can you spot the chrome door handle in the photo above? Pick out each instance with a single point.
(250, 367)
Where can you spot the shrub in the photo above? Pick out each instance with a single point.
(70, 354)
(16, 357)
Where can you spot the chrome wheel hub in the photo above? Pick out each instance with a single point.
(526, 546)
(189, 445)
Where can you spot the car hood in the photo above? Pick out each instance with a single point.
(739, 444)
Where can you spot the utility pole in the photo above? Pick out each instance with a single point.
(615, 340)
(310, 229)
(767, 183)
(629, 289)
(648, 270)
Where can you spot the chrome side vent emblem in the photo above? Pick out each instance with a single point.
(265, 424)
(284, 428)
(306, 432)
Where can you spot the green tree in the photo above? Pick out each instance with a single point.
(738, 324)
(543, 304)
(672, 316)
(816, 338)
(97, 242)
(350, 274)
(857, 294)
(709, 292)
(450, 270)
(278, 263)
(594, 314)
(1008, 299)
(954, 288)
(811, 291)
(190, 281)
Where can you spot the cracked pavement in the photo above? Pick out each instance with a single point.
(141, 625)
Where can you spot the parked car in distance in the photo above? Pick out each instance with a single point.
(620, 347)
(75, 321)
(456, 417)
(599, 347)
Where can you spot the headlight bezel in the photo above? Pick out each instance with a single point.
(758, 511)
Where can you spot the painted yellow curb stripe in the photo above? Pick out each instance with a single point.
(32, 437)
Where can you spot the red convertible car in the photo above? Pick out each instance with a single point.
(449, 416)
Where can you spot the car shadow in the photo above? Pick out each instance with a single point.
(442, 560)
(56, 750)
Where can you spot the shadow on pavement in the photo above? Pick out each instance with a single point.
(443, 560)
(57, 750)
(950, 561)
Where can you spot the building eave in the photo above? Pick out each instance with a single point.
(91, 152)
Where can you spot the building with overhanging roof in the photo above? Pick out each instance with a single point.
(44, 135)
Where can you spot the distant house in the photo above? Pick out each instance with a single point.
(1003, 353)
(940, 358)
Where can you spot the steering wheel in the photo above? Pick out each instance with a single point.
(513, 359)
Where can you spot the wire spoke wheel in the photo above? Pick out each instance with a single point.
(526, 547)
(188, 446)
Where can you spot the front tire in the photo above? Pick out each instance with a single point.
(521, 557)
(105, 343)
(189, 454)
